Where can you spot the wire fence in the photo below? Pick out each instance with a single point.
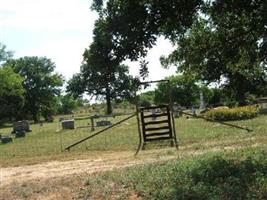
(51, 139)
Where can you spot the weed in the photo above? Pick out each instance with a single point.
(234, 175)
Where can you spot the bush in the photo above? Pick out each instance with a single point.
(227, 114)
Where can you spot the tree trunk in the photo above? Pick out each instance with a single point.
(240, 89)
(35, 118)
(108, 100)
(35, 114)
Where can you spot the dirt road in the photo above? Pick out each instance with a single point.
(109, 161)
(43, 181)
(54, 169)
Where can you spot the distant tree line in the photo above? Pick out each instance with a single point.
(185, 92)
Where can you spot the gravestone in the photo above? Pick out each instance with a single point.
(5, 139)
(20, 134)
(68, 124)
(21, 126)
(103, 123)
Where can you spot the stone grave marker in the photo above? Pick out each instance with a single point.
(68, 124)
(21, 126)
(103, 123)
(20, 134)
(5, 139)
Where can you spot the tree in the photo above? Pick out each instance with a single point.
(40, 83)
(94, 82)
(229, 45)
(184, 91)
(4, 54)
(135, 25)
(147, 99)
(101, 74)
(11, 93)
(216, 40)
(67, 104)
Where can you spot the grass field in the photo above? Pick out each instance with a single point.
(213, 162)
(46, 142)
(239, 174)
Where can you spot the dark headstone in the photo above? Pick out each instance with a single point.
(68, 124)
(21, 126)
(5, 139)
(20, 134)
(103, 123)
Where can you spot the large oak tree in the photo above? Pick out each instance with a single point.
(215, 40)
(101, 74)
(228, 44)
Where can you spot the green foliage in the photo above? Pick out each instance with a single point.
(40, 83)
(11, 93)
(49, 108)
(102, 74)
(184, 90)
(134, 25)
(216, 41)
(212, 176)
(216, 97)
(67, 104)
(227, 114)
(147, 98)
(4, 54)
(227, 41)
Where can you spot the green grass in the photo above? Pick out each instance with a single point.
(44, 143)
(240, 174)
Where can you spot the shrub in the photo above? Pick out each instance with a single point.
(227, 114)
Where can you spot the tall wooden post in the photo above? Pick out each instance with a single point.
(92, 124)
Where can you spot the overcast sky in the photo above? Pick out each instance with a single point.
(60, 30)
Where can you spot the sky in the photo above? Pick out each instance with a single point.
(61, 30)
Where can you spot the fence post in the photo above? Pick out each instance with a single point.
(92, 124)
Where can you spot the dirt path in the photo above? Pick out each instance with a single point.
(59, 168)
(108, 161)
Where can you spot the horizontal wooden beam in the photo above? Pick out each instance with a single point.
(156, 122)
(156, 115)
(157, 134)
(158, 138)
(157, 128)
